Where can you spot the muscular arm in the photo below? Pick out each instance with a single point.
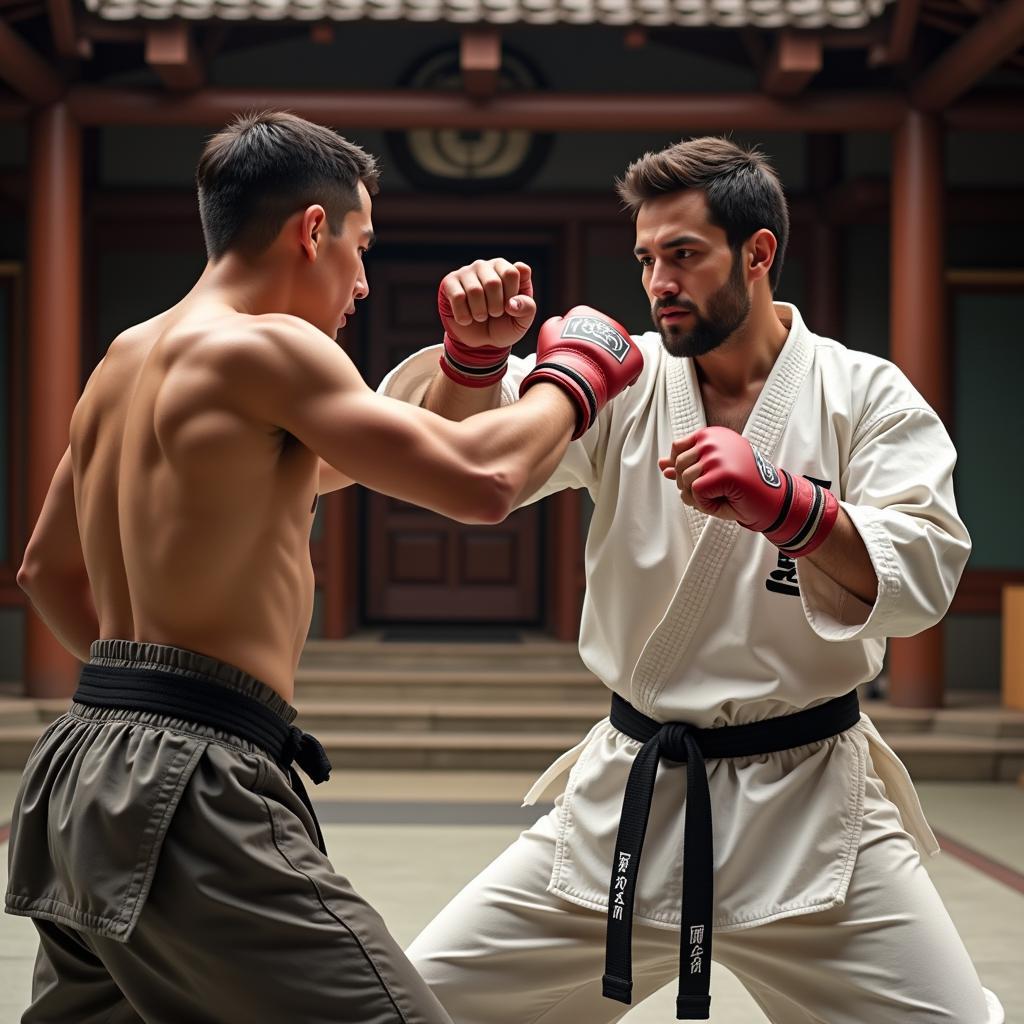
(474, 471)
(455, 402)
(53, 573)
(844, 559)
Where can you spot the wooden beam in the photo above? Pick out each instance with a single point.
(794, 61)
(986, 114)
(874, 111)
(901, 35)
(172, 54)
(981, 50)
(67, 40)
(480, 61)
(25, 71)
(944, 24)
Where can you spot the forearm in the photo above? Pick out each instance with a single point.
(66, 606)
(525, 442)
(844, 558)
(457, 402)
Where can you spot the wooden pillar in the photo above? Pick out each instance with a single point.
(824, 268)
(54, 347)
(341, 526)
(919, 344)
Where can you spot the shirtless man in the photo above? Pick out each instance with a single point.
(162, 842)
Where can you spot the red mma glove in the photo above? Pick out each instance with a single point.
(589, 356)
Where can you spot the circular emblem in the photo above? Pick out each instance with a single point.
(461, 160)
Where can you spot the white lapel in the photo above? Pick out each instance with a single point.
(664, 653)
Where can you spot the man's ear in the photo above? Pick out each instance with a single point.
(312, 225)
(760, 249)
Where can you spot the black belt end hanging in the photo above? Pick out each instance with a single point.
(683, 743)
(617, 988)
(693, 1007)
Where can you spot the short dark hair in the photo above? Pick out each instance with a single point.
(255, 173)
(742, 190)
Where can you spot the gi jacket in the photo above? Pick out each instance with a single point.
(695, 619)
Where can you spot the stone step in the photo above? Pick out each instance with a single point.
(446, 716)
(530, 687)
(356, 654)
(16, 742)
(950, 758)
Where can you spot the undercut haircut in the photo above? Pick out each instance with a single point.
(742, 190)
(263, 167)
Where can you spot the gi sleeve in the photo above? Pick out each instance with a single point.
(898, 491)
(579, 467)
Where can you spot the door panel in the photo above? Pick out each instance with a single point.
(419, 566)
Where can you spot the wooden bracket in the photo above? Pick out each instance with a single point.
(480, 61)
(171, 52)
(794, 61)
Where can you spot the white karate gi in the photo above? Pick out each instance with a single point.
(822, 906)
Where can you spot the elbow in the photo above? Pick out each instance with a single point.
(28, 574)
(492, 500)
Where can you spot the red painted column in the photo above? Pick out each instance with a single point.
(919, 344)
(54, 347)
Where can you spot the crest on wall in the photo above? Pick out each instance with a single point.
(478, 160)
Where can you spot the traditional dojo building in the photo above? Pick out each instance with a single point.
(897, 128)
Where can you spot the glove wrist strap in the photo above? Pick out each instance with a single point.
(806, 519)
(479, 367)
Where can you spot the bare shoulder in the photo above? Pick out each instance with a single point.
(274, 364)
(272, 342)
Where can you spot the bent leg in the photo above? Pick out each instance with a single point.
(247, 919)
(506, 951)
(890, 954)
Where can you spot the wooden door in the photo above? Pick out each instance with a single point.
(418, 566)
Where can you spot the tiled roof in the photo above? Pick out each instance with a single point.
(693, 13)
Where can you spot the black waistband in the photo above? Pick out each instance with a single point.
(677, 741)
(207, 703)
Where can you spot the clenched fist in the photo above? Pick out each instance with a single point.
(721, 473)
(485, 308)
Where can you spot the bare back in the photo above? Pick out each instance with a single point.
(194, 519)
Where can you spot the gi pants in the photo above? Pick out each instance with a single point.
(174, 876)
(506, 951)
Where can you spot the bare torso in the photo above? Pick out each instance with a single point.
(194, 518)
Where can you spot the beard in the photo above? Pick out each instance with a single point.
(725, 313)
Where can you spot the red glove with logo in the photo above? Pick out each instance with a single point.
(472, 366)
(794, 513)
(589, 356)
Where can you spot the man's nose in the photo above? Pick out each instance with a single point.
(663, 283)
(362, 289)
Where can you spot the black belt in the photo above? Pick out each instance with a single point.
(677, 741)
(210, 704)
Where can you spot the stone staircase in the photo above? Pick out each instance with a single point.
(494, 706)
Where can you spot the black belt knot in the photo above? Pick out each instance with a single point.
(676, 741)
(207, 703)
(686, 743)
(309, 754)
